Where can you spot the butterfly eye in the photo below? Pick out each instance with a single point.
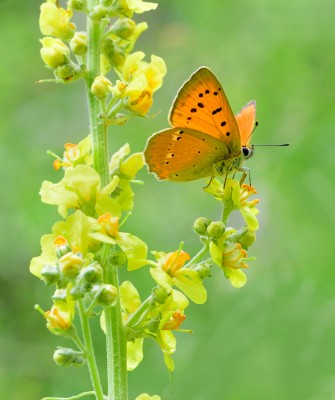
(247, 152)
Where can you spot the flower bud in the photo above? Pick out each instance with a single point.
(68, 357)
(123, 27)
(93, 273)
(248, 238)
(203, 269)
(54, 52)
(159, 295)
(101, 87)
(69, 72)
(50, 274)
(115, 56)
(200, 225)
(78, 44)
(98, 12)
(216, 229)
(70, 264)
(77, 292)
(59, 295)
(153, 324)
(106, 295)
(118, 258)
(62, 246)
(78, 5)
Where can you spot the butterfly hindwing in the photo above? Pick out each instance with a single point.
(202, 105)
(183, 154)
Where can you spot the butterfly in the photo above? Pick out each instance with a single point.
(206, 138)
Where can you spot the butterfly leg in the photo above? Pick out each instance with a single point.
(245, 171)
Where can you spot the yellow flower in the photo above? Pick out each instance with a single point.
(175, 321)
(168, 271)
(141, 80)
(55, 21)
(234, 256)
(110, 225)
(54, 52)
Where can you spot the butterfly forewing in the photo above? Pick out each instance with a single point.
(246, 120)
(202, 105)
(182, 154)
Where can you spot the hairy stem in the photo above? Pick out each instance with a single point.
(92, 366)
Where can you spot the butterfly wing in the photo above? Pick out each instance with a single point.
(246, 120)
(183, 154)
(202, 105)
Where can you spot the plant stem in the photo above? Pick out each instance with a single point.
(116, 341)
(92, 366)
(198, 257)
(116, 344)
(98, 128)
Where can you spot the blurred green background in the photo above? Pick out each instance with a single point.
(273, 339)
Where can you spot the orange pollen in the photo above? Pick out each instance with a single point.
(56, 320)
(109, 224)
(175, 321)
(71, 151)
(175, 261)
(60, 241)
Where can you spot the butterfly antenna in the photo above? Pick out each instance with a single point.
(256, 124)
(272, 145)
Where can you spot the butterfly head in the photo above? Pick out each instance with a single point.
(247, 151)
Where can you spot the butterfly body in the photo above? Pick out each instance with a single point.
(206, 139)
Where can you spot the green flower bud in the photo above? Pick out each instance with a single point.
(68, 357)
(101, 87)
(248, 239)
(153, 324)
(93, 273)
(62, 250)
(71, 264)
(200, 225)
(203, 269)
(216, 229)
(79, 5)
(98, 12)
(123, 27)
(77, 292)
(50, 274)
(105, 295)
(69, 72)
(118, 258)
(115, 56)
(159, 295)
(78, 44)
(60, 294)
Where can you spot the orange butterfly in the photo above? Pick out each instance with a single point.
(206, 139)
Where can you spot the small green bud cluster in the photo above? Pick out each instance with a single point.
(207, 228)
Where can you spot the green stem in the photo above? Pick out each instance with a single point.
(116, 344)
(226, 211)
(92, 366)
(142, 310)
(198, 257)
(116, 341)
(98, 128)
